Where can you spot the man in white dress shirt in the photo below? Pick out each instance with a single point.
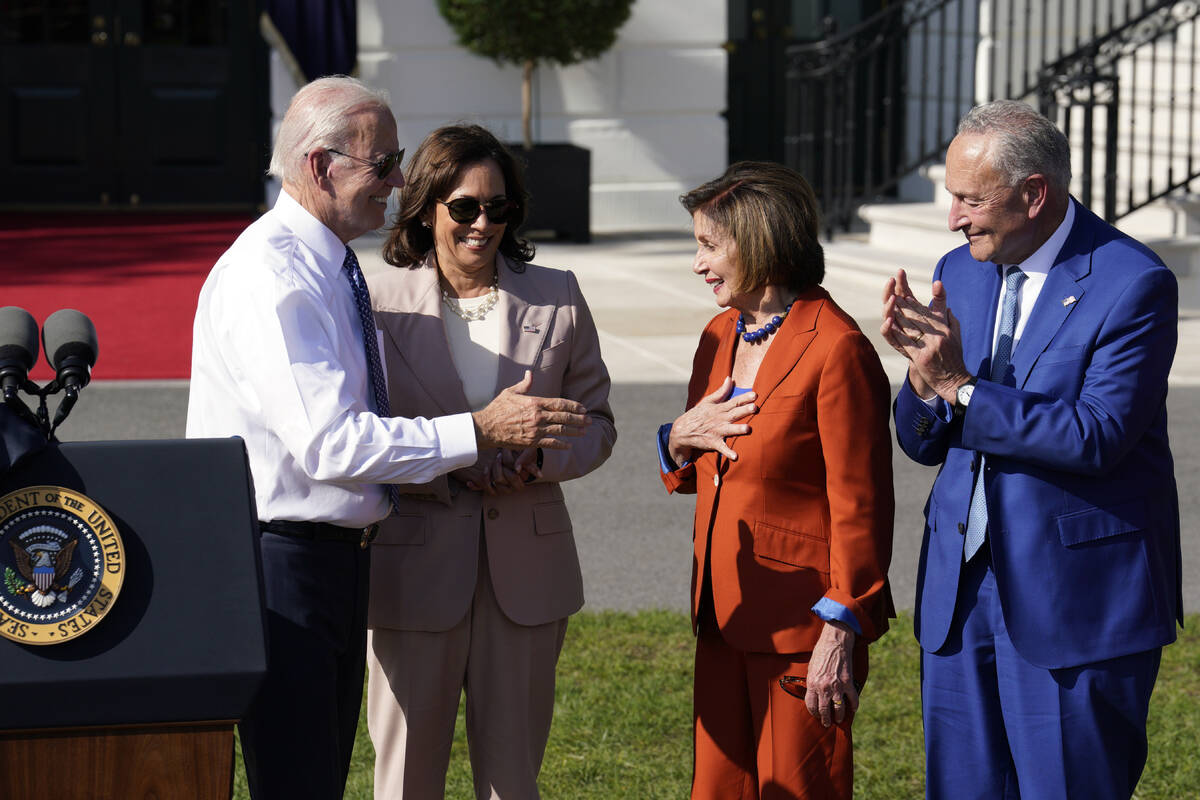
(279, 359)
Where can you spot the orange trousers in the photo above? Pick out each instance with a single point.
(754, 740)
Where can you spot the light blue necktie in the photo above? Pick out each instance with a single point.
(362, 300)
(977, 516)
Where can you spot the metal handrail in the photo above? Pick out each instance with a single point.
(865, 108)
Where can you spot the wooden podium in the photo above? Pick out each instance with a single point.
(144, 704)
(176, 761)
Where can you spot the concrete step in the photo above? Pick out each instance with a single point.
(861, 262)
(916, 228)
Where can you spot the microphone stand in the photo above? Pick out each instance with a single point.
(41, 420)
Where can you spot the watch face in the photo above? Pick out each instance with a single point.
(964, 393)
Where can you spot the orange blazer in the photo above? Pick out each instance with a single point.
(806, 510)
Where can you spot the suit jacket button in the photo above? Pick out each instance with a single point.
(493, 513)
(716, 479)
(962, 529)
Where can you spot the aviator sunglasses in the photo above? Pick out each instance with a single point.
(465, 210)
(383, 167)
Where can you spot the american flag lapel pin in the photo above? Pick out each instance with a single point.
(1068, 300)
(529, 328)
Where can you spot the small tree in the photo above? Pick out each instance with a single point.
(528, 32)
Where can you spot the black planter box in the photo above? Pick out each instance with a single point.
(558, 178)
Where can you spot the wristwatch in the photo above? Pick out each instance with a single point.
(962, 397)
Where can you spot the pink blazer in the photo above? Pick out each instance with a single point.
(424, 562)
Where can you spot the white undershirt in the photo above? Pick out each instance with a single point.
(475, 348)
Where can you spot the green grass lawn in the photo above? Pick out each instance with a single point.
(622, 723)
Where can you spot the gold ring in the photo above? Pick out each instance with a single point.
(920, 335)
(837, 702)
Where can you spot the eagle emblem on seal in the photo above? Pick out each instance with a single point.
(62, 564)
(43, 558)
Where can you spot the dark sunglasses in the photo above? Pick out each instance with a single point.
(383, 167)
(798, 687)
(466, 209)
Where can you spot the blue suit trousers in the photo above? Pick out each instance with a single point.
(999, 727)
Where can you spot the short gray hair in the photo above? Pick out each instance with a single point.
(320, 116)
(1023, 142)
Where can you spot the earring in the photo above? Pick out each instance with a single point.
(424, 224)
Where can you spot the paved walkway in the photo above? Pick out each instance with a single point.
(649, 307)
(634, 540)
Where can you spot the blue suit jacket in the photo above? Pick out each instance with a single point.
(1083, 510)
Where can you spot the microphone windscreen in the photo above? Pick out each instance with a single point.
(18, 336)
(68, 333)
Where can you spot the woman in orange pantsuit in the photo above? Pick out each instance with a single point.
(786, 445)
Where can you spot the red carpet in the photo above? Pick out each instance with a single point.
(136, 275)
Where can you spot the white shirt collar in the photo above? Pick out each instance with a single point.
(310, 230)
(1043, 258)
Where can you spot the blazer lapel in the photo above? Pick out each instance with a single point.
(790, 342)
(982, 283)
(526, 316)
(1060, 295)
(722, 368)
(722, 360)
(787, 346)
(418, 335)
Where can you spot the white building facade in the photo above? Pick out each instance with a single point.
(649, 109)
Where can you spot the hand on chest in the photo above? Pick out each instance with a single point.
(783, 440)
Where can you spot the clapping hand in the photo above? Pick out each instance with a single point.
(928, 336)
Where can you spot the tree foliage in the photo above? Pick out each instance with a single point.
(523, 31)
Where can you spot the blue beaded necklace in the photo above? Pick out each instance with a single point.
(765, 330)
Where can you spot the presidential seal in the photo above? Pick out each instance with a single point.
(62, 561)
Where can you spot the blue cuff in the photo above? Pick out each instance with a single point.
(943, 410)
(664, 450)
(833, 611)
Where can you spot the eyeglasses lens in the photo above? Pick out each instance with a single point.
(389, 163)
(466, 209)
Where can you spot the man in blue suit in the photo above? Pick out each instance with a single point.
(1050, 568)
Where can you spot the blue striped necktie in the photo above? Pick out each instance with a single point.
(362, 300)
(977, 516)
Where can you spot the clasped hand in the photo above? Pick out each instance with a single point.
(928, 336)
(502, 472)
(705, 425)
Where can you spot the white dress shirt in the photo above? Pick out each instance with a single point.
(278, 359)
(1036, 268)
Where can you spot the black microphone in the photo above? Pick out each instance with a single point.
(18, 348)
(69, 339)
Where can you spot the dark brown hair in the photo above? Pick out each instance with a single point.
(771, 214)
(432, 175)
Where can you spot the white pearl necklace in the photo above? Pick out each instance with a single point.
(480, 311)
